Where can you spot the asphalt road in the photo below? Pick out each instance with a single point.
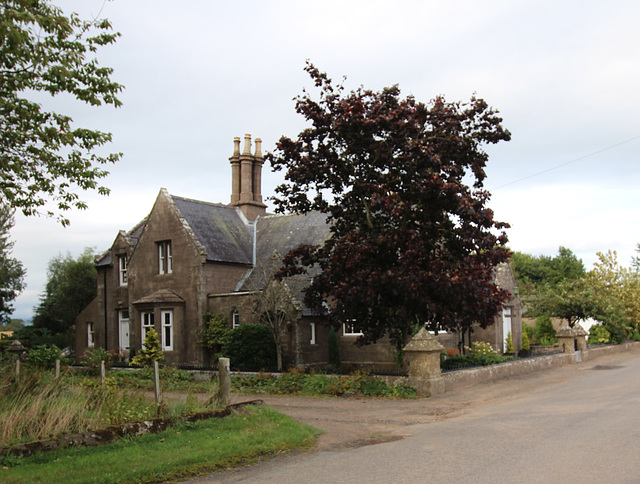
(579, 423)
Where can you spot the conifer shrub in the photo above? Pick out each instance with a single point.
(526, 345)
(151, 351)
(333, 359)
(510, 349)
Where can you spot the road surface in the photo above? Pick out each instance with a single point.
(578, 423)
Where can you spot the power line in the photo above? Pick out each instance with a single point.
(567, 163)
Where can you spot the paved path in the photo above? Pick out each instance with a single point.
(578, 423)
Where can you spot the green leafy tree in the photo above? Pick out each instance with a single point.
(12, 325)
(534, 273)
(571, 300)
(411, 241)
(274, 304)
(44, 156)
(616, 292)
(71, 286)
(151, 351)
(11, 270)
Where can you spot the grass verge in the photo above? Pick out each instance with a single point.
(186, 450)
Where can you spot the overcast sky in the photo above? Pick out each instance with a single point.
(563, 74)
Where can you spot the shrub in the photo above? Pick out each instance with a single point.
(151, 351)
(598, 335)
(251, 347)
(529, 330)
(480, 348)
(215, 333)
(92, 358)
(545, 332)
(510, 349)
(526, 346)
(333, 360)
(465, 361)
(44, 356)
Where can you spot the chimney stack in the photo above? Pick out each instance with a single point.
(246, 178)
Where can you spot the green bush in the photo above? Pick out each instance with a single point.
(480, 348)
(598, 335)
(45, 356)
(251, 347)
(91, 358)
(300, 383)
(454, 362)
(215, 333)
(545, 332)
(529, 330)
(333, 360)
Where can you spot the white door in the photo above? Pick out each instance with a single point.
(123, 317)
(506, 327)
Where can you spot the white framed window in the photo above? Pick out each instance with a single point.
(235, 319)
(122, 270)
(91, 336)
(350, 328)
(312, 335)
(147, 322)
(167, 329)
(165, 257)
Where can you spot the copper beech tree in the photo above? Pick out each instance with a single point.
(411, 242)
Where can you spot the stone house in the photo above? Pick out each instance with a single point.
(189, 257)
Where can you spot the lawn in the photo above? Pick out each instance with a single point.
(185, 450)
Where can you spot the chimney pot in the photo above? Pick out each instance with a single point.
(258, 148)
(247, 145)
(236, 146)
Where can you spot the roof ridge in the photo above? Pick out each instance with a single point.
(202, 202)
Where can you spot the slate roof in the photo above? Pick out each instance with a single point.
(132, 237)
(283, 233)
(219, 228)
(161, 296)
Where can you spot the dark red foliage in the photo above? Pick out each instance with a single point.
(411, 241)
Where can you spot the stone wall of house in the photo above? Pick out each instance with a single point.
(88, 315)
(145, 279)
(381, 355)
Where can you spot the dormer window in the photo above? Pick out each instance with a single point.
(122, 270)
(165, 259)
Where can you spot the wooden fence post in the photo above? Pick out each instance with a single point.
(103, 375)
(156, 380)
(224, 379)
(57, 369)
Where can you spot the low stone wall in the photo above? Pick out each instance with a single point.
(596, 351)
(472, 376)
